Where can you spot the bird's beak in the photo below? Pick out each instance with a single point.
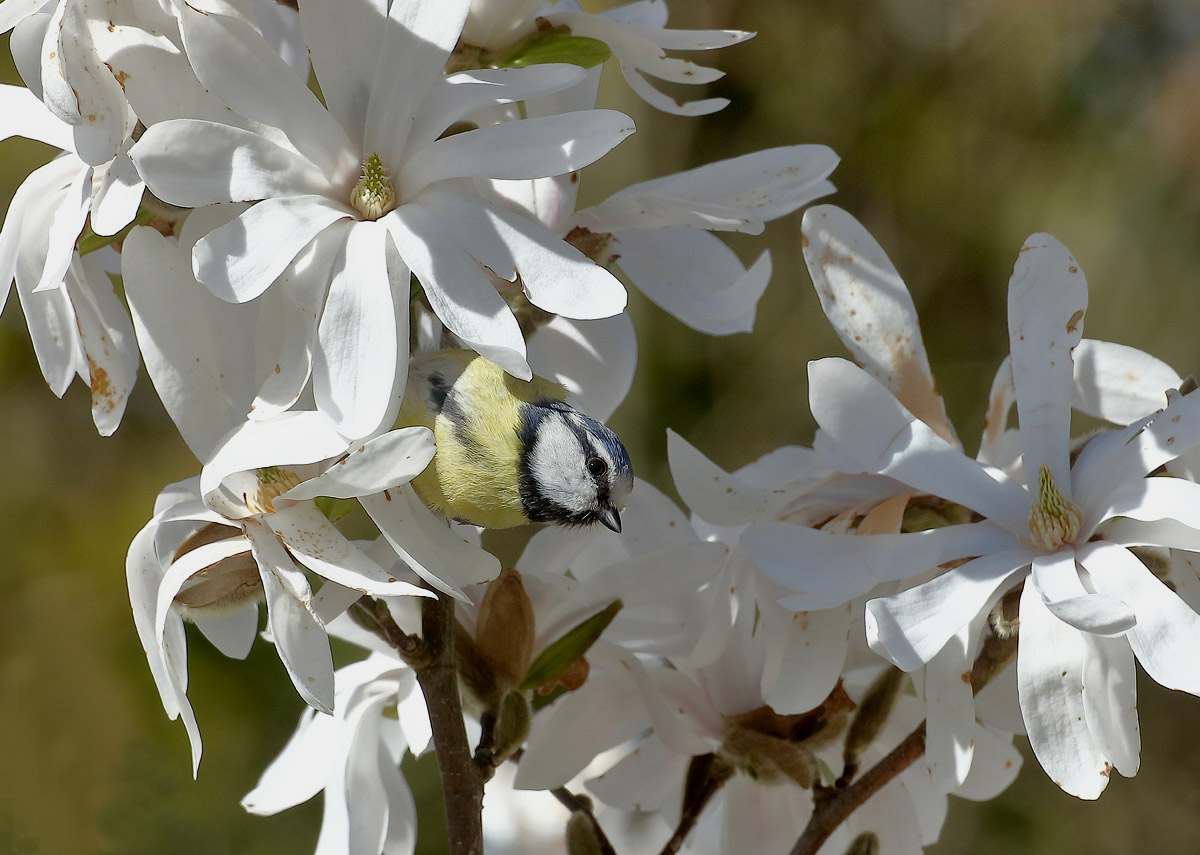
(610, 518)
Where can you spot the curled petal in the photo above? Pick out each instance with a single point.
(1050, 661)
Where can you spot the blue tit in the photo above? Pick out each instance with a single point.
(510, 451)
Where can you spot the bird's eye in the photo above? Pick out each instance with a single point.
(597, 467)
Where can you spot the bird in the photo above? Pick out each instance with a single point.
(511, 451)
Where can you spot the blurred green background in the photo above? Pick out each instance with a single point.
(963, 126)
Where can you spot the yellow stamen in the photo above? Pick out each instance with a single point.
(373, 195)
(272, 482)
(1053, 518)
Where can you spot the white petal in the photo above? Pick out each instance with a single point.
(557, 277)
(230, 632)
(661, 101)
(115, 201)
(285, 338)
(418, 37)
(808, 559)
(319, 546)
(24, 115)
(70, 213)
(1050, 661)
(644, 779)
(345, 41)
(80, 89)
(183, 569)
(1164, 639)
(226, 52)
(757, 818)
(769, 183)
(144, 574)
(872, 312)
(108, 338)
(873, 428)
(950, 711)
(300, 770)
(713, 494)
(190, 341)
(1057, 580)
(355, 369)
(461, 296)
(291, 439)
(1110, 470)
(389, 460)
(994, 446)
(530, 148)
(193, 163)
(995, 765)
(805, 652)
(456, 96)
(433, 550)
(595, 360)
(299, 637)
(695, 277)
(366, 799)
(1118, 383)
(679, 712)
(1110, 701)
(1047, 298)
(566, 737)
(15, 11)
(240, 260)
(910, 628)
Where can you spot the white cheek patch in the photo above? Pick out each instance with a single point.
(556, 464)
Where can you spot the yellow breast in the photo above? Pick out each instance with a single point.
(474, 410)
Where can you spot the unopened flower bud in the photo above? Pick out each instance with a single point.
(504, 632)
(866, 843)
(513, 717)
(582, 837)
(872, 713)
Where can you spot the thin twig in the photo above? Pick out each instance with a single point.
(373, 615)
(707, 773)
(839, 802)
(462, 787)
(581, 805)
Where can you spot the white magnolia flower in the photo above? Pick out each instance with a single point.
(356, 197)
(75, 319)
(1089, 606)
(354, 757)
(72, 50)
(636, 34)
(659, 232)
(720, 710)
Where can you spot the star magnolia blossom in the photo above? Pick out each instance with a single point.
(1089, 606)
(357, 196)
(720, 709)
(75, 318)
(635, 33)
(353, 757)
(659, 232)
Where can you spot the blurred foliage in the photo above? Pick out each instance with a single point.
(963, 126)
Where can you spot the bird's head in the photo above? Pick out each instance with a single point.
(574, 470)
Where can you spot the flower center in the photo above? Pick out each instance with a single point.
(272, 482)
(373, 195)
(1053, 518)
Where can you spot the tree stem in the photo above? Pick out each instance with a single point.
(462, 787)
(432, 658)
